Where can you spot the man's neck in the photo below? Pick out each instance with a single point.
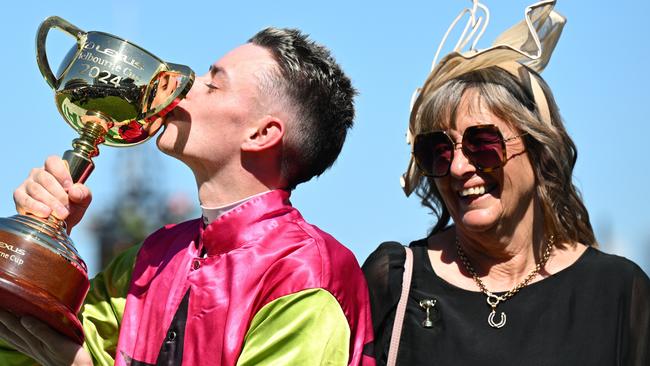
(226, 189)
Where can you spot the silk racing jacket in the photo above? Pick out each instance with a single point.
(257, 286)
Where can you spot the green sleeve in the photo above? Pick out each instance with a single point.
(100, 314)
(103, 308)
(304, 328)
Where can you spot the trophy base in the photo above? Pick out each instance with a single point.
(41, 274)
(22, 298)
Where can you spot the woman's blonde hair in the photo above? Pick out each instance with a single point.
(551, 151)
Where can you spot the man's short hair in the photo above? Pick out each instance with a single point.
(320, 95)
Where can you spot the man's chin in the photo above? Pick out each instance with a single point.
(166, 143)
(160, 140)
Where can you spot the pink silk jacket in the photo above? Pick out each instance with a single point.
(258, 252)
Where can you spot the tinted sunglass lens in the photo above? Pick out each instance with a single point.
(484, 147)
(433, 153)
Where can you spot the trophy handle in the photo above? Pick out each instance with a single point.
(41, 37)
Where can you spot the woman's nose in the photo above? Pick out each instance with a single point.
(460, 165)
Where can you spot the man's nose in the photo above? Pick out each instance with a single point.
(199, 83)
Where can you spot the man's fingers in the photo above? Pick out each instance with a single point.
(51, 339)
(54, 197)
(58, 169)
(80, 195)
(56, 347)
(15, 342)
(52, 185)
(26, 204)
(20, 336)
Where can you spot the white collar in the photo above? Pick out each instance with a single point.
(212, 213)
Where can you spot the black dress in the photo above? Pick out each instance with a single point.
(595, 312)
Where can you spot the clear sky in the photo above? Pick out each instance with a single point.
(598, 74)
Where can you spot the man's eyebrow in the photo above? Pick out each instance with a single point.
(218, 70)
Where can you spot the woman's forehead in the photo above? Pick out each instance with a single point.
(472, 110)
(456, 106)
(472, 106)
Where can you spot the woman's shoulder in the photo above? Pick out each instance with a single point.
(384, 267)
(390, 253)
(612, 268)
(596, 259)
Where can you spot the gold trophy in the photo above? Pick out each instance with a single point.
(113, 92)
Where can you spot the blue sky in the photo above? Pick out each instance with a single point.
(598, 75)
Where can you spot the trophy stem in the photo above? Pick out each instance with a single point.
(85, 148)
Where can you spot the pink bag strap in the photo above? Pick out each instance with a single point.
(401, 308)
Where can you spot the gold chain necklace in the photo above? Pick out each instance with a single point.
(494, 300)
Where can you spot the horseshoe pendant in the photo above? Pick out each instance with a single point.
(502, 320)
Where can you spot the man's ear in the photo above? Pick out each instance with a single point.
(266, 134)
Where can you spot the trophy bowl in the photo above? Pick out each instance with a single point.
(111, 91)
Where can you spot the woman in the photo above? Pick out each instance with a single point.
(516, 280)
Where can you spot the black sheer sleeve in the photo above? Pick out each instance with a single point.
(384, 269)
(639, 336)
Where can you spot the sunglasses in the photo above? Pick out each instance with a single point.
(483, 145)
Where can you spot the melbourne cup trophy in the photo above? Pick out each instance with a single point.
(112, 92)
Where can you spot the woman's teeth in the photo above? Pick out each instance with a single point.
(473, 191)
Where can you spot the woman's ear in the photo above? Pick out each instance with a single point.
(267, 133)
